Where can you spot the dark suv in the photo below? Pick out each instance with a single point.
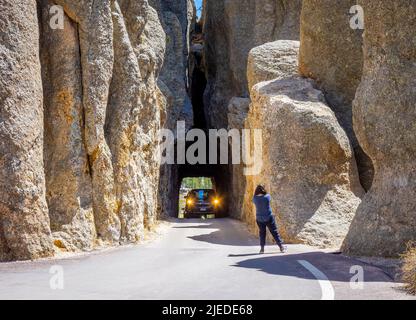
(200, 202)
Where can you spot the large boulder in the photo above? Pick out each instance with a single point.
(307, 162)
(231, 30)
(272, 60)
(384, 121)
(331, 54)
(24, 221)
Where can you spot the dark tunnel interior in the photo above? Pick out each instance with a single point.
(217, 172)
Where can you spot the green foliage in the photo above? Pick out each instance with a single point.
(197, 183)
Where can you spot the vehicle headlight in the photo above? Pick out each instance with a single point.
(216, 201)
(189, 202)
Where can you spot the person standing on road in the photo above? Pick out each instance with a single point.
(265, 218)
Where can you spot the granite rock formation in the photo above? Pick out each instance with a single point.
(307, 162)
(79, 125)
(384, 121)
(24, 220)
(231, 30)
(272, 60)
(178, 20)
(331, 54)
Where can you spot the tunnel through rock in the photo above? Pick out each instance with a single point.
(217, 172)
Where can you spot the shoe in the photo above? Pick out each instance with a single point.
(261, 251)
(283, 249)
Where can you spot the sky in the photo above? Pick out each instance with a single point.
(198, 4)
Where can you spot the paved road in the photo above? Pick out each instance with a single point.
(197, 259)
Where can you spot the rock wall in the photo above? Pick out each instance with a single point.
(67, 171)
(231, 29)
(24, 221)
(372, 101)
(96, 181)
(80, 109)
(384, 121)
(237, 114)
(326, 33)
(178, 20)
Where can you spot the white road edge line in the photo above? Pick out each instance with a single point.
(326, 286)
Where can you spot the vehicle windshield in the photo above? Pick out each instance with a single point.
(202, 195)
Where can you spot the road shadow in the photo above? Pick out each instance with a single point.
(220, 237)
(251, 254)
(335, 267)
(202, 226)
(226, 232)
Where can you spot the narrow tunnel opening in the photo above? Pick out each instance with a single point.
(199, 83)
(201, 176)
(197, 198)
(198, 79)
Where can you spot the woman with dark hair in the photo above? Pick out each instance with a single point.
(265, 218)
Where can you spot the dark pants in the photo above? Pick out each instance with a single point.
(271, 224)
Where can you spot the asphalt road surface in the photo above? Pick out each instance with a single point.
(199, 259)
